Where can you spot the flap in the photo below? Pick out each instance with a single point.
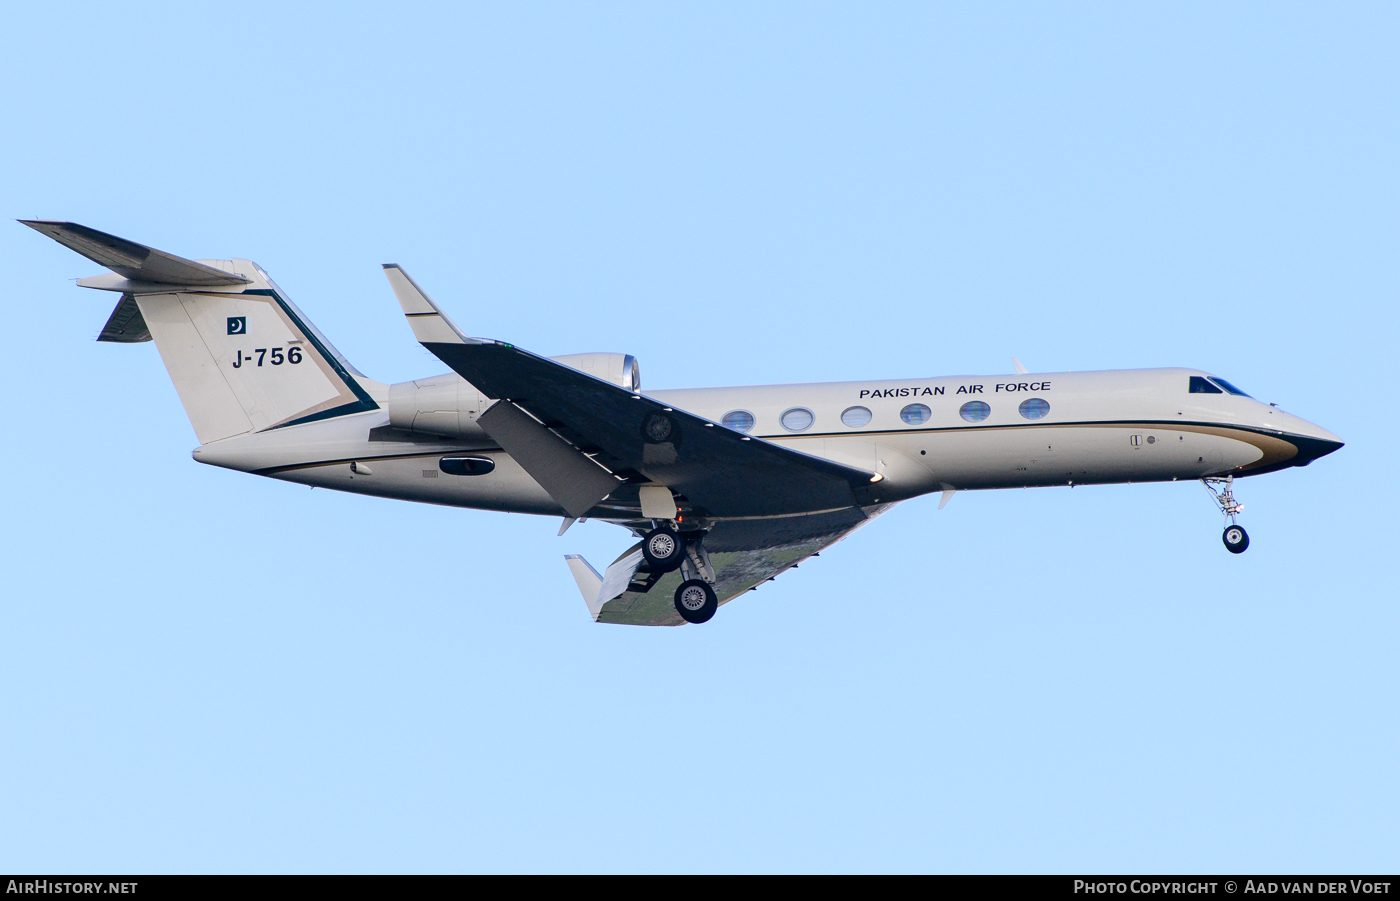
(572, 479)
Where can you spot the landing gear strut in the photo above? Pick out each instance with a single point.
(1236, 539)
(696, 600)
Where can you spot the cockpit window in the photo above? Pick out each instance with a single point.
(1227, 386)
(1201, 386)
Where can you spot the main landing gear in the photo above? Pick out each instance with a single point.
(696, 601)
(1236, 539)
(665, 550)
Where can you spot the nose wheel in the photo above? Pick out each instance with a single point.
(1236, 539)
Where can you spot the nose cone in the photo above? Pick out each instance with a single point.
(1313, 442)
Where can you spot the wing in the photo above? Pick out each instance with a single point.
(716, 471)
(719, 471)
(745, 553)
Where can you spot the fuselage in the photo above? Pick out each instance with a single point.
(920, 435)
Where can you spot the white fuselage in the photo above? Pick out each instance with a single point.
(1090, 427)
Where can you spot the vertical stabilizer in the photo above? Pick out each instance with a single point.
(241, 355)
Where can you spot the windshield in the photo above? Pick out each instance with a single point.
(1227, 386)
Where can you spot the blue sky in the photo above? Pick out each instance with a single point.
(205, 671)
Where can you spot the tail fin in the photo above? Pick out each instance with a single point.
(242, 357)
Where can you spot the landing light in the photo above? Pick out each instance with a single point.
(877, 478)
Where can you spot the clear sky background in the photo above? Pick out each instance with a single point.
(205, 671)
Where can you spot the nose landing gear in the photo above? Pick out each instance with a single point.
(1236, 539)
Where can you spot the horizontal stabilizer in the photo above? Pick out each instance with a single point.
(126, 325)
(133, 261)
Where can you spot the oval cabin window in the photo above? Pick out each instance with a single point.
(975, 411)
(738, 420)
(856, 417)
(916, 414)
(1035, 408)
(797, 419)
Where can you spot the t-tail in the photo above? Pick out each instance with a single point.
(243, 358)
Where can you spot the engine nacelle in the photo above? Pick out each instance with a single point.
(442, 405)
(619, 369)
(449, 405)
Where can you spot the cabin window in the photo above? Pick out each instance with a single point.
(975, 411)
(916, 414)
(1201, 386)
(738, 420)
(1227, 386)
(797, 419)
(1034, 408)
(856, 417)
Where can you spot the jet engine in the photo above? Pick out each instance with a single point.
(442, 405)
(448, 404)
(620, 369)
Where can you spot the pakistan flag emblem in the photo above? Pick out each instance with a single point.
(238, 325)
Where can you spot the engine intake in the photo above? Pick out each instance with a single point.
(619, 369)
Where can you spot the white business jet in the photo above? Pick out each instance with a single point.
(725, 488)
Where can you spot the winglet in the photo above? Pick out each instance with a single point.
(135, 262)
(590, 584)
(430, 325)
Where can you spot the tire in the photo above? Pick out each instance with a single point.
(1236, 539)
(696, 601)
(663, 549)
(660, 429)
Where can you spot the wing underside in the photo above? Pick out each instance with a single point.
(745, 553)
